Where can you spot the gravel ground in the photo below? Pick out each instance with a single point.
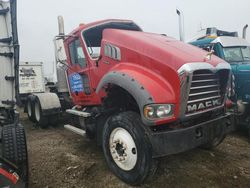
(58, 158)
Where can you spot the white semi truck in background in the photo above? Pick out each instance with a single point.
(31, 79)
(13, 149)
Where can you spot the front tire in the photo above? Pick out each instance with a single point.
(127, 149)
(14, 148)
(214, 142)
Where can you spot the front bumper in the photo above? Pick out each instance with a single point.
(176, 141)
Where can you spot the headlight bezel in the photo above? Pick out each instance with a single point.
(153, 111)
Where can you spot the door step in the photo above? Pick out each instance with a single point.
(75, 130)
(78, 113)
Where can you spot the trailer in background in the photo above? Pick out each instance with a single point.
(13, 149)
(31, 79)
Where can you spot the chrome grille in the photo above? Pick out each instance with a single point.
(205, 91)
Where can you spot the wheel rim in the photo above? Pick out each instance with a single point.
(37, 111)
(123, 149)
(29, 109)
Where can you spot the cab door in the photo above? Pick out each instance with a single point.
(78, 73)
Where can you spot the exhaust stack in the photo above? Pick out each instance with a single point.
(244, 31)
(181, 24)
(60, 25)
(60, 53)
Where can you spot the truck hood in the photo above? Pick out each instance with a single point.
(147, 47)
(241, 69)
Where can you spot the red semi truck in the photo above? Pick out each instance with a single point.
(140, 95)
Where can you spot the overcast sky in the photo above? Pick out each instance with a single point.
(37, 19)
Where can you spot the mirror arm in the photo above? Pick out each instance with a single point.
(97, 61)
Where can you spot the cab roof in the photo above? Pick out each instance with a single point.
(225, 41)
(101, 22)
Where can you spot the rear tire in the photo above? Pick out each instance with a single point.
(30, 110)
(14, 149)
(53, 120)
(41, 119)
(127, 149)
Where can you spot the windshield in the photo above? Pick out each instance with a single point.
(237, 54)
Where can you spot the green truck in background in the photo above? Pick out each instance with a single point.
(236, 51)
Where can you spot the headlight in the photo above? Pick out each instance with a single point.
(158, 111)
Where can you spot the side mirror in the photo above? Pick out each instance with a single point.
(59, 50)
(97, 61)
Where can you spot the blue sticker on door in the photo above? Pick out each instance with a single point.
(76, 83)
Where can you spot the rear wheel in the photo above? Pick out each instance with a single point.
(14, 149)
(127, 149)
(41, 119)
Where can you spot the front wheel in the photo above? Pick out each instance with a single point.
(127, 149)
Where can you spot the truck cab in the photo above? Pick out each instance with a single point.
(85, 57)
(236, 51)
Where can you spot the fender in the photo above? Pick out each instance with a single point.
(48, 101)
(144, 85)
